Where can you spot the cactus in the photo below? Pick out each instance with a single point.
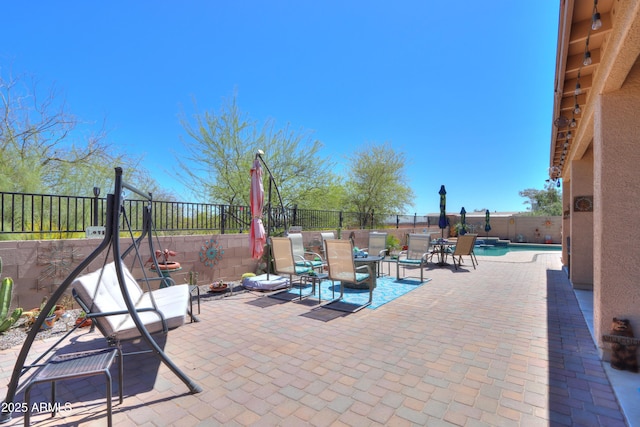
(192, 278)
(6, 292)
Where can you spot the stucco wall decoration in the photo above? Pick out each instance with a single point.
(211, 252)
(583, 204)
(58, 261)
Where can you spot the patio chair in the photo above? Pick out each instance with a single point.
(464, 246)
(326, 235)
(283, 260)
(416, 256)
(377, 246)
(304, 258)
(343, 269)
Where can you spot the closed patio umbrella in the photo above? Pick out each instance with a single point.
(463, 221)
(487, 225)
(257, 236)
(442, 221)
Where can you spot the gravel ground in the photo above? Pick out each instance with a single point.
(16, 335)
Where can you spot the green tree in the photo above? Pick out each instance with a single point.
(546, 202)
(46, 149)
(221, 149)
(377, 184)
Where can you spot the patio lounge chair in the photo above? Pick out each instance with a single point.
(305, 258)
(464, 246)
(416, 256)
(343, 269)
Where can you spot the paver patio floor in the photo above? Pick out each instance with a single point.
(503, 345)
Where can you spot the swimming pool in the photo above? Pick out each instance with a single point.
(489, 250)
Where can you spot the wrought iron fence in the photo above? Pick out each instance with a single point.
(46, 216)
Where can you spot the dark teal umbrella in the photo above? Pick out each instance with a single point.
(463, 222)
(487, 226)
(442, 222)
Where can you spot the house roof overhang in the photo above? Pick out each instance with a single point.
(614, 49)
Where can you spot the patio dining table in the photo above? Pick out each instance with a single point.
(442, 248)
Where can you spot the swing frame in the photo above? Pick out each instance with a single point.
(112, 232)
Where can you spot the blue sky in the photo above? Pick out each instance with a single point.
(464, 89)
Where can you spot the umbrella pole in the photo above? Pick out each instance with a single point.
(284, 217)
(269, 226)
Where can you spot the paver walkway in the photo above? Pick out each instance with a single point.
(503, 345)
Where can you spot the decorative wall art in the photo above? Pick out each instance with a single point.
(211, 252)
(583, 204)
(58, 261)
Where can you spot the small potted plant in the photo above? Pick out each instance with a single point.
(392, 244)
(82, 321)
(217, 286)
(50, 320)
(32, 314)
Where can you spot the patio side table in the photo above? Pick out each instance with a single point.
(76, 365)
(315, 279)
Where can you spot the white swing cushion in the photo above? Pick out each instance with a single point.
(171, 301)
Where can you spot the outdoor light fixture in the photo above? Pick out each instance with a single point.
(561, 122)
(596, 22)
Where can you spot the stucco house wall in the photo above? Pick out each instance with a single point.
(617, 191)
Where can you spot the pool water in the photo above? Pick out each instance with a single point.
(488, 250)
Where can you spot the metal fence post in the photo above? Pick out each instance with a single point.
(96, 194)
(223, 219)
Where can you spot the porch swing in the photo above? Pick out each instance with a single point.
(112, 298)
